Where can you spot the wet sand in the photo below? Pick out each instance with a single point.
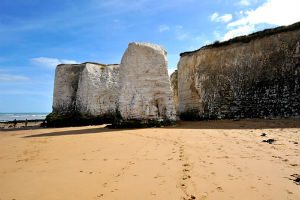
(20, 125)
(193, 160)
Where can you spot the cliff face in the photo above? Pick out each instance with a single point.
(145, 92)
(65, 87)
(256, 77)
(135, 94)
(174, 87)
(97, 93)
(83, 93)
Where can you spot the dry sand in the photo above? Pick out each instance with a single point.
(194, 160)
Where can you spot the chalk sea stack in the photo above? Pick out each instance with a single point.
(136, 93)
(254, 76)
(84, 94)
(145, 93)
(98, 90)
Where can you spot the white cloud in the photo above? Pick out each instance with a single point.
(274, 12)
(241, 30)
(215, 17)
(163, 28)
(244, 3)
(12, 78)
(226, 18)
(51, 62)
(271, 12)
(217, 35)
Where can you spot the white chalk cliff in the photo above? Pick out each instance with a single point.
(145, 90)
(97, 92)
(65, 87)
(90, 89)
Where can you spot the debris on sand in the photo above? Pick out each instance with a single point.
(270, 141)
(296, 179)
(263, 135)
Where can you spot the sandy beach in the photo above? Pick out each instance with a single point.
(192, 160)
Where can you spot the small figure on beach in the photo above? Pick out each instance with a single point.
(26, 122)
(15, 123)
(44, 123)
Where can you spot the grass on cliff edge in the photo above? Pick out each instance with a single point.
(248, 38)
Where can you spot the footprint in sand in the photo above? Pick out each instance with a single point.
(152, 193)
(185, 177)
(289, 192)
(219, 189)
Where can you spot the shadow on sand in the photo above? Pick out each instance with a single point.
(87, 130)
(184, 125)
(241, 124)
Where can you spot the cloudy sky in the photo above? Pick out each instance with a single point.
(36, 35)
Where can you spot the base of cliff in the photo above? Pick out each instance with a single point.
(193, 115)
(75, 119)
(134, 123)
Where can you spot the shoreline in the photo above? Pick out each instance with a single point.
(20, 124)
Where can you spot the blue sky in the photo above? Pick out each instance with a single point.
(36, 35)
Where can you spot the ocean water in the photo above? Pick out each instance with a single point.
(4, 117)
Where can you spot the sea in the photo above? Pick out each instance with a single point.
(4, 117)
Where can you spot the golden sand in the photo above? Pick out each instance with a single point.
(216, 160)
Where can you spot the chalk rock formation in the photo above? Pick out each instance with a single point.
(98, 90)
(65, 87)
(145, 91)
(250, 76)
(84, 93)
(174, 87)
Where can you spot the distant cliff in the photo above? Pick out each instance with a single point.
(246, 77)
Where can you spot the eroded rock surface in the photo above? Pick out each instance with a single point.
(145, 92)
(174, 86)
(98, 90)
(256, 76)
(84, 94)
(65, 87)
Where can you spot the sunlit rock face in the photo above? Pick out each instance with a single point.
(145, 91)
(84, 94)
(174, 86)
(65, 87)
(252, 76)
(98, 90)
